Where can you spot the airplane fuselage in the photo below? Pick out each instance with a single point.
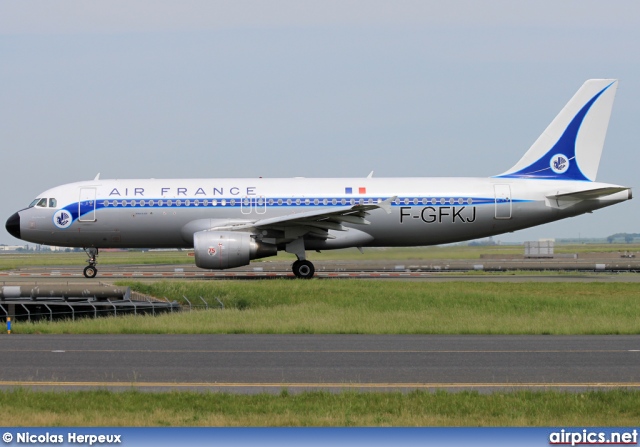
(426, 211)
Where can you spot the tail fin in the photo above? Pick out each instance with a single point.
(570, 147)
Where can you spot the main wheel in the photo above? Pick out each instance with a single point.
(90, 271)
(303, 269)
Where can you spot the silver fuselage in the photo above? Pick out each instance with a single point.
(427, 211)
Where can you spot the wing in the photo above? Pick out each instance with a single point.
(315, 223)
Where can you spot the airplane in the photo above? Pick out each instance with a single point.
(229, 222)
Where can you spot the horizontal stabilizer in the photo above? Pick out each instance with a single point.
(565, 200)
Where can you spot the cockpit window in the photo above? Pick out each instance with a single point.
(42, 203)
(53, 203)
(32, 204)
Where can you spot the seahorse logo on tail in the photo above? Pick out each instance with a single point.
(559, 163)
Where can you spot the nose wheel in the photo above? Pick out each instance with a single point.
(303, 269)
(91, 271)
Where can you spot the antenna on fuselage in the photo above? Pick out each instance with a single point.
(97, 177)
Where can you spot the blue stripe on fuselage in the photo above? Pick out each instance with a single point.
(85, 208)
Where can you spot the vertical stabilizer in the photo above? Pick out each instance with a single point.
(571, 146)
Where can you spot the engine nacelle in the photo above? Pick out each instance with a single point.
(227, 249)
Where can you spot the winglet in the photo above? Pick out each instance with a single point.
(386, 204)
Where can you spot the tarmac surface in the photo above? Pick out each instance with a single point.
(270, 363)
(324, 270)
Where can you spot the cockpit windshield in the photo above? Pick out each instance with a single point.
(44, 203)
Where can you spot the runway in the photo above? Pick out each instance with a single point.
(108, 273)
(269, 363)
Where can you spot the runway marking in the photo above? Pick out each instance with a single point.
(321, 385)
(325, 351)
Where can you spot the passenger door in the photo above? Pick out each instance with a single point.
(87, 205)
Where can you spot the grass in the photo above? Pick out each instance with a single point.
(377, 307)
(352, 306)
(11, 261)
(23, 407)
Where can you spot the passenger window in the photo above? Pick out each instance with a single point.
(42, 203)
(53, 203)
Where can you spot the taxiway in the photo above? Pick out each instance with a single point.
(258, 363)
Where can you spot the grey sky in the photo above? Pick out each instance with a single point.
(294, 88)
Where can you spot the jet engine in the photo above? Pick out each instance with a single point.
(227, 249)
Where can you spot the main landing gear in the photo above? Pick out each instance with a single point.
(303, 269)
(91, 271)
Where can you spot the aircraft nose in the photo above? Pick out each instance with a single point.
(13, 225)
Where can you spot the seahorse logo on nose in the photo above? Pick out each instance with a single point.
(62, 219)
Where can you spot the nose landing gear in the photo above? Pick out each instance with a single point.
(91, 271)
